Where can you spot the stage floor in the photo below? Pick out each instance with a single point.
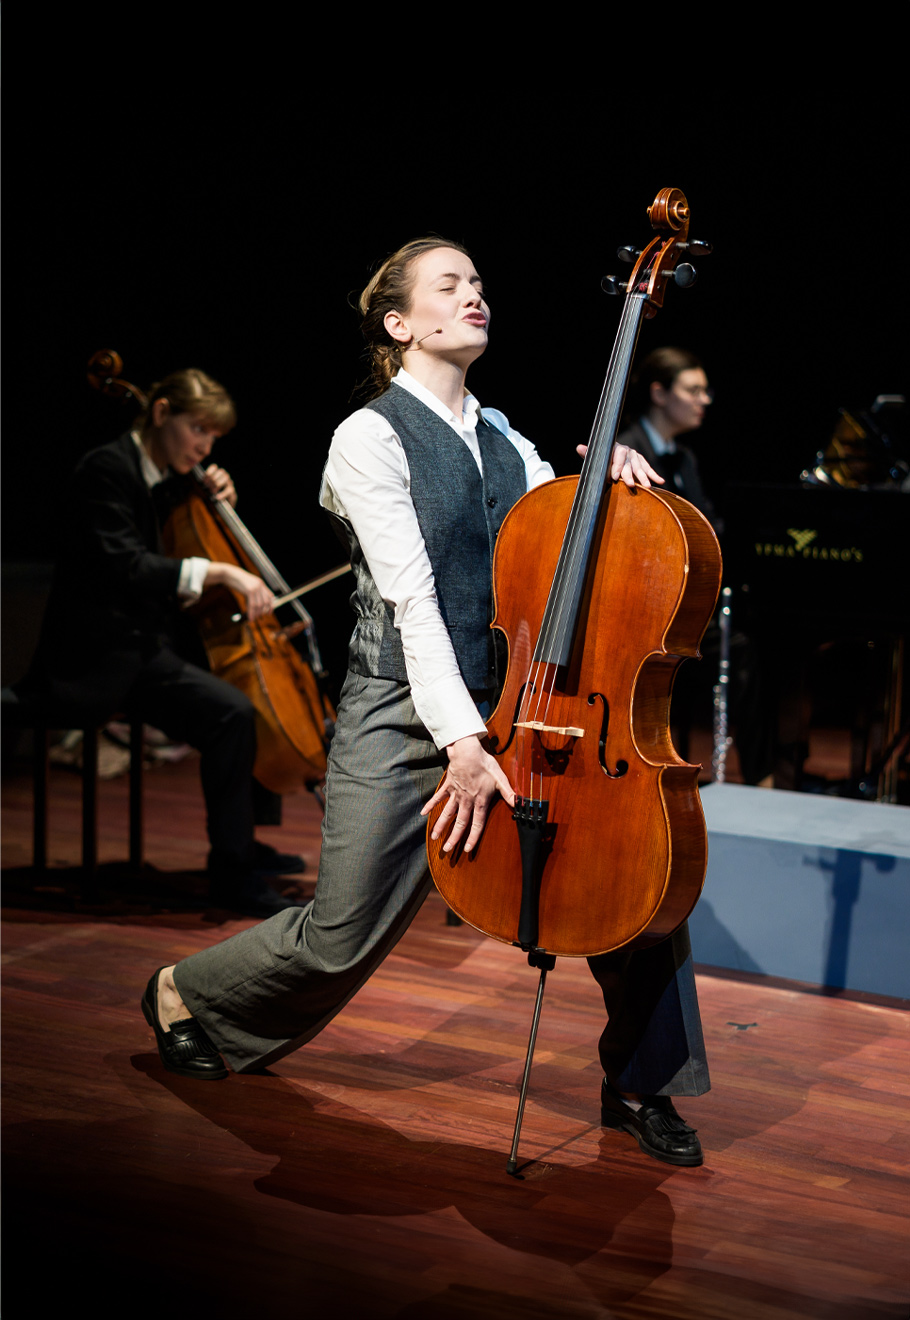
(366, 1174)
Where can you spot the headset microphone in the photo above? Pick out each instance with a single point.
(418, 342)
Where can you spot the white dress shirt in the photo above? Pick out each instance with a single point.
(659, 444)
(367, 482)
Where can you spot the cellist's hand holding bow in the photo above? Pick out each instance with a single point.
(629, 466)
(256, 594)
(472, 782)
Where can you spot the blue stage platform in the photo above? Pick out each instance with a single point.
(806, 887)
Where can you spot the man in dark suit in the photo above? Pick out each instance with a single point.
(107, 640)
(669, 395)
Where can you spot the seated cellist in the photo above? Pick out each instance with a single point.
(107, 640)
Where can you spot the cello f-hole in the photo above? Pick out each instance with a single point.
(621, 766)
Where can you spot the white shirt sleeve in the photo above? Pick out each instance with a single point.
(192, 578)
(537, 470)
(367, 482)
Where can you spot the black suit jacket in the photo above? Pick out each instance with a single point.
(680, 470)
(113, 598)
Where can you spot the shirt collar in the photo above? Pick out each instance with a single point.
(471, 407)
(150, 473)
(659, 444)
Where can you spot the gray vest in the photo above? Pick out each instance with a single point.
(459, 514)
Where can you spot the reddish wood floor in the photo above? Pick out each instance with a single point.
(365, 1175)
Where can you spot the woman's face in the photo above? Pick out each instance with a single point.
(446, 295)
(180, 440)
(683, 404)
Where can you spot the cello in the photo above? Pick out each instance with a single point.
(294, 718)
(606, 846)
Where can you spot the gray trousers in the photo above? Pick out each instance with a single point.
(270, 989)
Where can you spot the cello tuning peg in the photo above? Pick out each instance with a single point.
(612, 284)
(629, 254)
(685, 275)
(697, 247)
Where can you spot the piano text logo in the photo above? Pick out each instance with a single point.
(804, 547)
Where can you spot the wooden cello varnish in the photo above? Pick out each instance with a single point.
(601, 592)
(256, 657)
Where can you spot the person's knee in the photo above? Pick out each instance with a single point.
(226, 720)
(238, 713)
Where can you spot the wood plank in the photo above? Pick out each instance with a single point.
(365, 1175)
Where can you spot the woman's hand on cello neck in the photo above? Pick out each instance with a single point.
(629, 466)
(472, 783)
(219, 485)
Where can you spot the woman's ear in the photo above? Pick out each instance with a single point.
(161, 410)
(396, 327)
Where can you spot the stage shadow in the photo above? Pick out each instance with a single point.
(331, 1158)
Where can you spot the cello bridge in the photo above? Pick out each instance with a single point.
(565, 731)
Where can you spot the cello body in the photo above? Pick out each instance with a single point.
(258, 658)
(602, 592)
(625, 853)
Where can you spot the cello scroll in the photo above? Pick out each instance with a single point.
(660, 260)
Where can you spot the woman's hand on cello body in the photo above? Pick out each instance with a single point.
(629, 466)
(219, 485)
(473, 781)
(257, 595)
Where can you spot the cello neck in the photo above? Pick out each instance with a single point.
(557, 633)
(656, 265)
(250, 546)
(263, 565)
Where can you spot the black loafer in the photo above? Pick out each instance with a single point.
(251, 895)
(271, 862)
(184, 1049)
(656, 1126)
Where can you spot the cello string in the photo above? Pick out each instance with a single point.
(565, 592)
(567, 584)
(267, 570)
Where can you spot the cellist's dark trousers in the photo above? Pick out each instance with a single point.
(653, 1042)
(273, 987)
(193, 706)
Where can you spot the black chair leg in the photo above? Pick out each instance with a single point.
(136, 817)
(90, 812)
(40, 787)
(39, 797)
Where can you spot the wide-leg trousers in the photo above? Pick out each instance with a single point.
(273, 987)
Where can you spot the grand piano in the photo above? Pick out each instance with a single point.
(820, 571)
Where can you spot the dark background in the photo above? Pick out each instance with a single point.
(217, 198)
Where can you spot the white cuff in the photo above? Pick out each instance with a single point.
(192, 578)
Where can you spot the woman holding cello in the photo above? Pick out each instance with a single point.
(106, 641)
(419, 483)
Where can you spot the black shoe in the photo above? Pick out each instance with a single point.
(184, 1048)
(250, 894)
(270, 861)
(656, 1126)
